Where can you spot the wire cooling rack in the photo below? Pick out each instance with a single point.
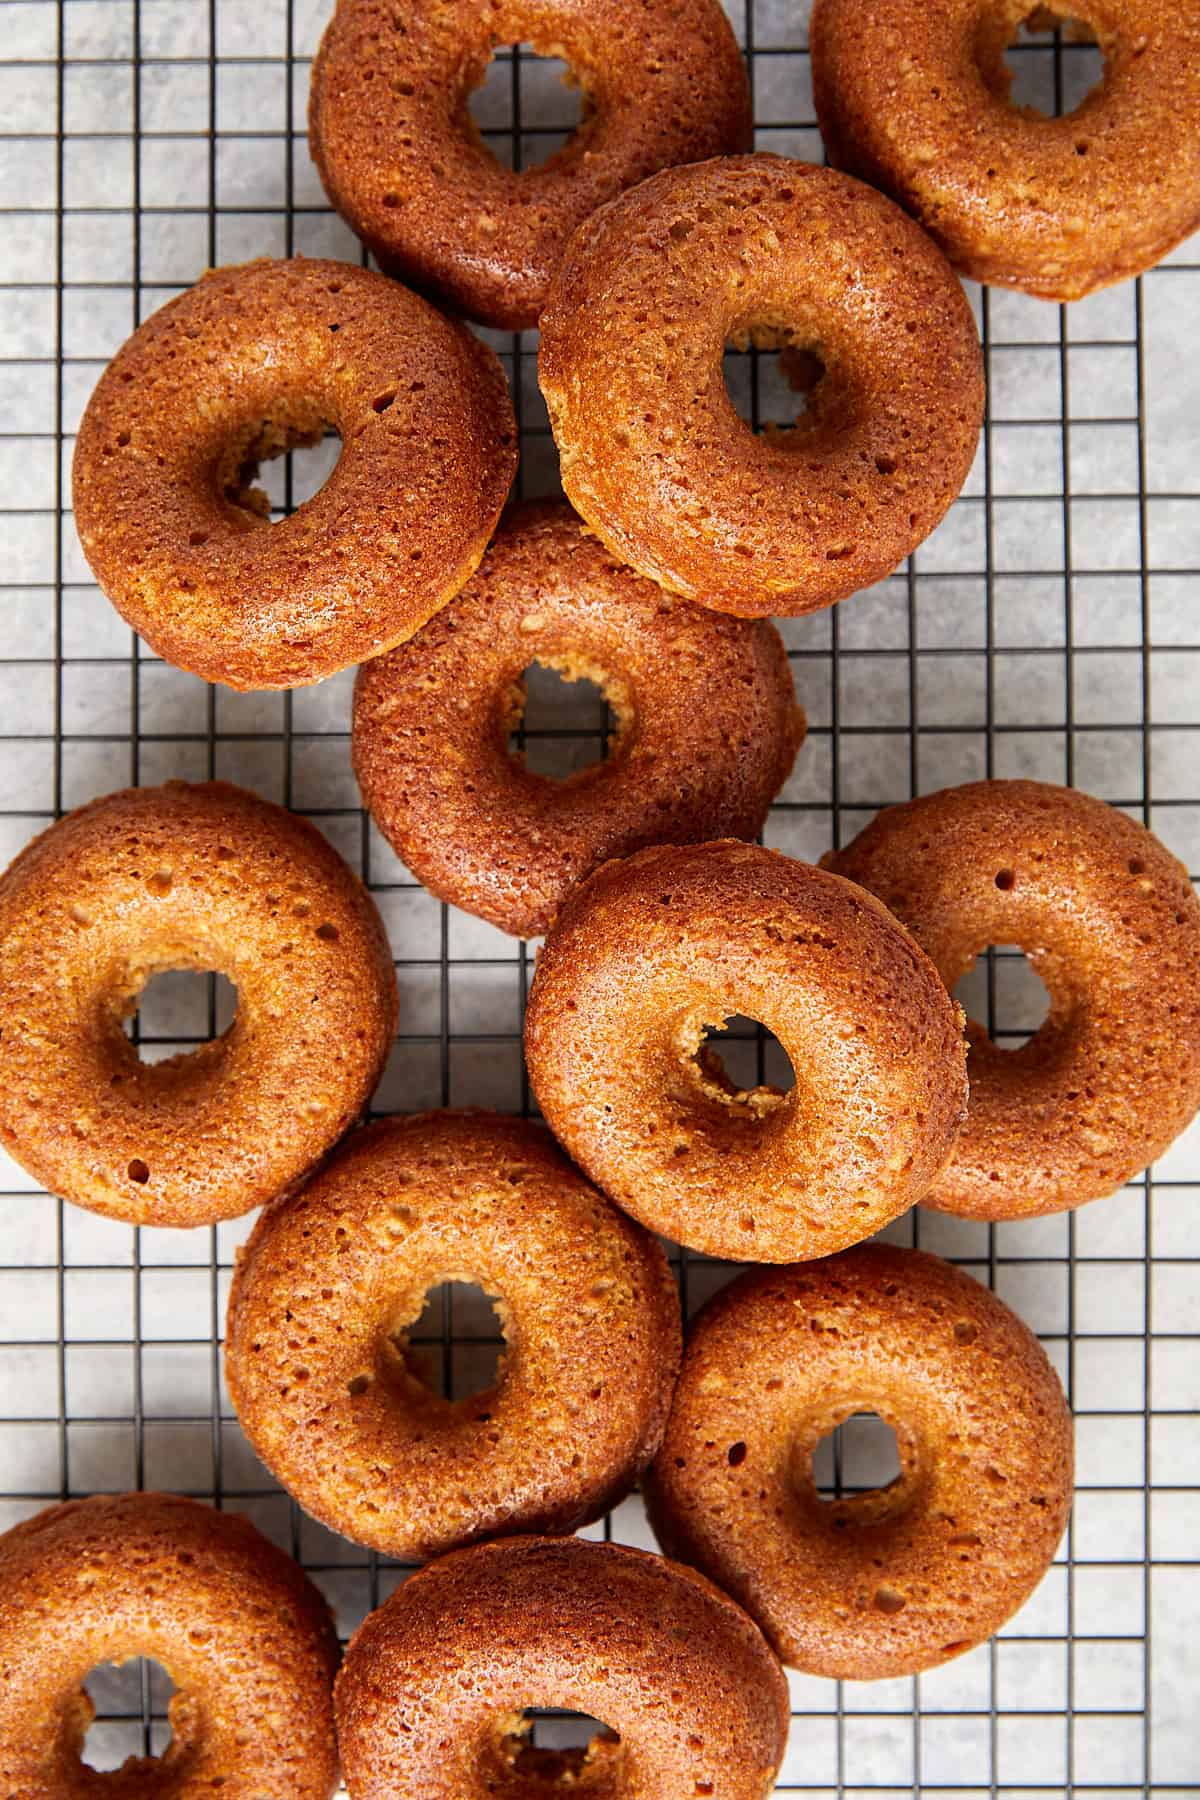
(1043, 630)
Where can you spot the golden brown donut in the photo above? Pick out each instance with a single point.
(331, 1395)
(649, 954)
(402, 159)
(760, 248)
(253, 361)
(1108, 919)
(238, 1626)
(431, 1695)
(915, 99)
(898, 1579)
(185, 877)
(707, 725)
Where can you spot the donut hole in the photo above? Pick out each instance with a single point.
(563, 716)
(861, 1455)
(131, 1701)
(526, 107)
(1051, 63)
(450, 1351)
(178, 1011)
(1004, 993)
(276, 467)
(771, 377)
(553, 1749)
(751, 1068)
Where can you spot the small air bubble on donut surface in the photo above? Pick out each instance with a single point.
(887, 1600)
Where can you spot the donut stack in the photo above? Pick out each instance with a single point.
(642, 249)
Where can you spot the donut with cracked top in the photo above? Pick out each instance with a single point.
(210, 877)
(786, 255)
(237, 1625)
(401, 157)
(1108, 919)
(432, 1695)
(255, 360)
(332, 1394)
(652, 952)
(707, 725)
(916, 100)
(900, 1578)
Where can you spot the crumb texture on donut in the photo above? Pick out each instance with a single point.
(336, 1399)
(402, 159)
(759, 249)
(915, 99)
(900, 1578)
(431, 1697)
(1109, 920)
(707, 725)
(244, 1635)
(204, 876)
(651, 953)
(254, 360)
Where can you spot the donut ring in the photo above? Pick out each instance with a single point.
(651, 952)
(183, 877)
(915, 99)
(253, 361)
(586, 1300)
(402, 159)
(1108, 919)
(239, 1627)
(898, 1579)
(653, 454)
(708, 725)
(430, 1697)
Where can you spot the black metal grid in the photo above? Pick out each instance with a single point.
(100, 1386)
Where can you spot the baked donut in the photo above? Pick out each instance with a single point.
(402, 159)
(651, 953)
(331, 1395)
(915, 99)
(185, 877)
(900, 1578)
(707, 725)
(238, 1626)
(249, 363)
(1108, 919)
(782, 254)
(431, 1697)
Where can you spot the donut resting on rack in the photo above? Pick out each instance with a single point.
(205, 877)
(239, 1627)
(653, 952)
(1109, 920)
(432, 1695)
(900, 1578)
(706, 725)
(253, 361)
